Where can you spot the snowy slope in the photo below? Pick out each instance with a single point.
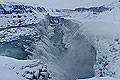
(71, 41)
(12, 69)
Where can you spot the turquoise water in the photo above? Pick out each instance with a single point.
(14, 49)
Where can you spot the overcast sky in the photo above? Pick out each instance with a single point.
(65, 3)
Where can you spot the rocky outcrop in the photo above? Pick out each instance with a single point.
(93, 9)
(53, 20)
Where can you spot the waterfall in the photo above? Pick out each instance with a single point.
(51, 39)
(54, 43)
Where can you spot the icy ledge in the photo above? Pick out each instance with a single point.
(105, 37)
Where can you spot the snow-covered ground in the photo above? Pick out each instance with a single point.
(83, 44)
(13, 69)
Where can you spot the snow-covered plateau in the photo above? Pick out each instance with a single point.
(42, 41)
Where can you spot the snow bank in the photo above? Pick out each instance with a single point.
(12, 69)
(6, 72)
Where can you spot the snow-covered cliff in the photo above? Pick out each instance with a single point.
(74, 43)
